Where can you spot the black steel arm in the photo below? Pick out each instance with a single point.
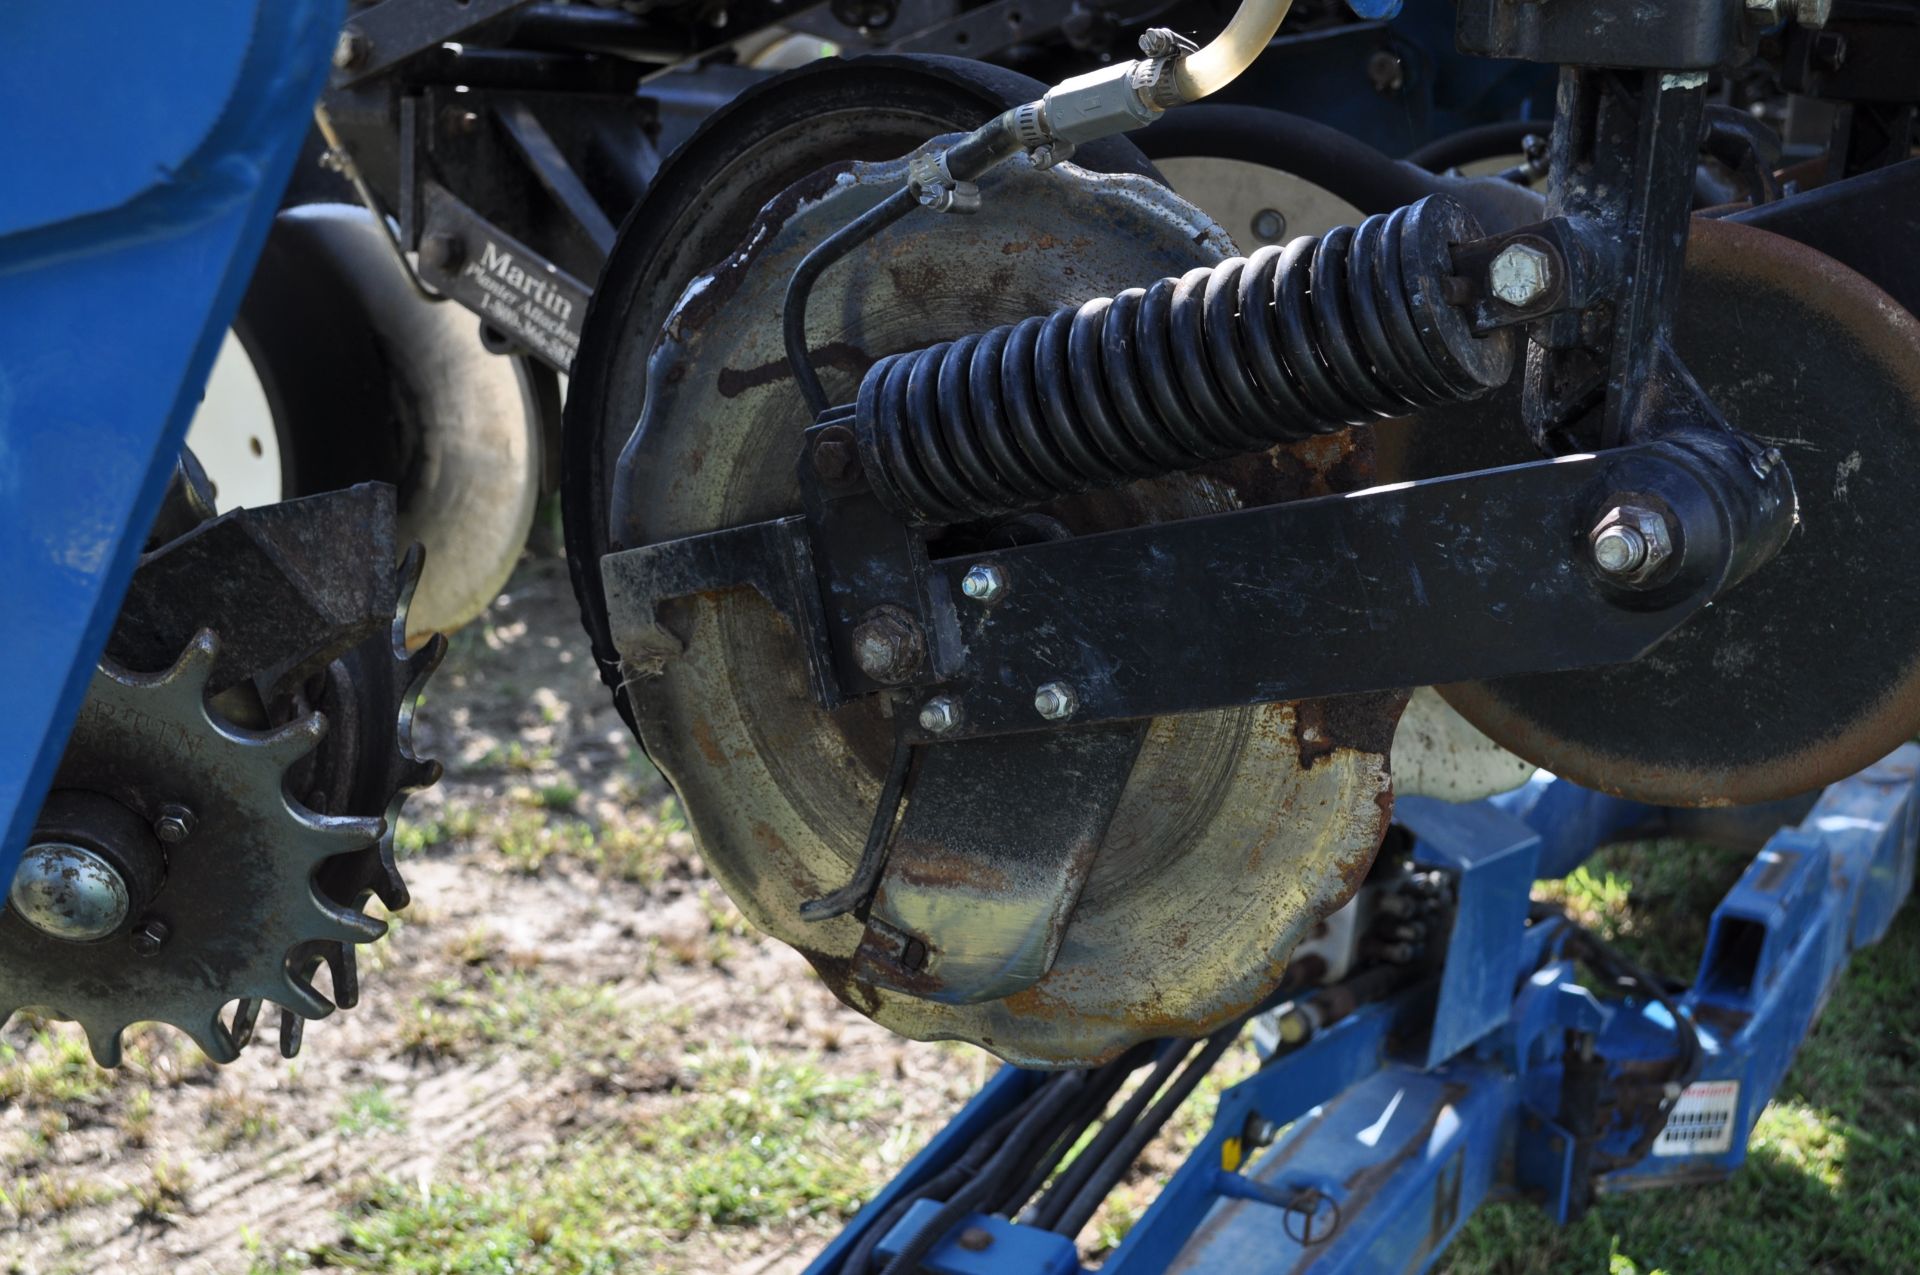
(1467, 577)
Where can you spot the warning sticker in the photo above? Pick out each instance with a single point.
(1702, 1121)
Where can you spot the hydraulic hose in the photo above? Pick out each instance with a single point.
(1211, 68)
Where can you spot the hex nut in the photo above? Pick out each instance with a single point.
(836, 457)
(939, 715)
(174, 825)
(1630, 543)
(150, 936)
(1056, 701)
(887, 645)
(975, 1239)
(984, 582)
(1521, 274)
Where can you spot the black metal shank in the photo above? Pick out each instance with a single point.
(1467, 577)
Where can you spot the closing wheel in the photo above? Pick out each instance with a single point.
(1185, 857)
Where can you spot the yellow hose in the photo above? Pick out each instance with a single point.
(1210, 69)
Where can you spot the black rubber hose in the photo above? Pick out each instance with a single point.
(793, 312)
(1062, 1193)
(1366, 178)
(1104, 1082)
(952, 1178)
(1483, 141)
(1058, 1092)
(1114, 1165)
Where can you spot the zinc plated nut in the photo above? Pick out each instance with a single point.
(939, 715)
(1629, 543)
(1521, 274)
(1056, 701)
(984, 582)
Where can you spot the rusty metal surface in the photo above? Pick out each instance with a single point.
(1810, 669)
(1236, 830)
(983, 878)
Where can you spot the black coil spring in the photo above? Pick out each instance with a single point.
(1327, 332)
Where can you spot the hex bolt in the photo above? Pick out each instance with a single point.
(887, 645)
(1056, 701)
(1629, 543)
(349, 50)
(1260, 1132)
(441, 251)
(1619, 550)
(150, 936)
(1811, 13)
(984, 582)
(1521, 274)
(939, 715)
(174, 825)
(1269, 225)
(835, 457)
(975, 1239)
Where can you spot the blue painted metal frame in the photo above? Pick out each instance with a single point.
(145, 150)
(1401, 1144)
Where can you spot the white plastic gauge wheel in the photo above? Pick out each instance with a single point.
(234, 435)
(1257, 204)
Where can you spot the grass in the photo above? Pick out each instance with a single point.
(38, 1196)
(369, 1110)
(756, 1141)
(544, 827)
(52, 1069)
(161, 1196)
(483, 1009)
(234, 1119)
